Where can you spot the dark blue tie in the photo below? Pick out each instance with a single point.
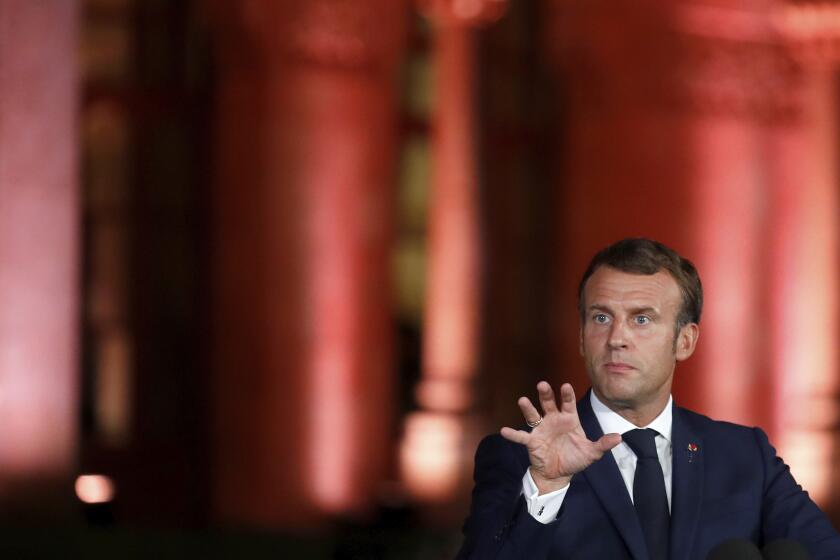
(649, 492)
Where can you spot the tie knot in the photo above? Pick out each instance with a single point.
(641, 442)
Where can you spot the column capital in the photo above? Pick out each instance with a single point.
(812, 29)
(338, 34)
(745, 69)
(469, 13)
(676, 56)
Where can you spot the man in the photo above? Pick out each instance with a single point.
(625, 474)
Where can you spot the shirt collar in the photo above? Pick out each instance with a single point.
(612, 423)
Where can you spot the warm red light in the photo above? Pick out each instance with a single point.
(39, 234)
(805, 300)
(332, 460)
(809, 455)
(444, 394)
(431, 455)
(432, 458)
(95, 488)
(346, 229)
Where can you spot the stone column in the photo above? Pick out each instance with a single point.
(804, 267)
(307, 146)
(436, 455)
(39, 253)
(670, 107)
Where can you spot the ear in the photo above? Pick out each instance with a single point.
(687, 341)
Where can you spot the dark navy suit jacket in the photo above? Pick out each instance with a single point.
(732, 486)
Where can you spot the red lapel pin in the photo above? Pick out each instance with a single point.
(692, 448)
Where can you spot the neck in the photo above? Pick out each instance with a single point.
(638, 415)
(638, 418)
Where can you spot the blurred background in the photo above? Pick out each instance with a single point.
(270, 269)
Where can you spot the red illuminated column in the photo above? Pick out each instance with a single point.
(805, 261)
(805, 280)
(307, 144)
(741, 84)
(669, 110)
(39, 233)
(436, 453)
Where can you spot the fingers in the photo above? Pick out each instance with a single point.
(548, 403)
(530, 413)
(546, 397)
(516, 436)
(568, 402)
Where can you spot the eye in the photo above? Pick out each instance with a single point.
(641, 319)
(600, 318)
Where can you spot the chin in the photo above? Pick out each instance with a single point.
(618, 396)
(620, 400)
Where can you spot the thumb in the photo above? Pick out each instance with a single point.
(607, 442)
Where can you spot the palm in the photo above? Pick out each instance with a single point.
(558, 446)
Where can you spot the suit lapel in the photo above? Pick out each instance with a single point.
(686, 484)
(605, 479)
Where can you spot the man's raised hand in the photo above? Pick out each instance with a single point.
(557, 445)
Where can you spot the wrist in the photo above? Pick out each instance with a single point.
(547, 485)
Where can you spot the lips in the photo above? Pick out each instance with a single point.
(618, 366)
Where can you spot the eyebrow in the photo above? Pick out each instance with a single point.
(647, 310)
(596, 307)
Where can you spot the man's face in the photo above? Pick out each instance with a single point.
(628, 341)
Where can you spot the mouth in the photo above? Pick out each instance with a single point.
(618, 367)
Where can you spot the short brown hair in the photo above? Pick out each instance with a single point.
(645, 256)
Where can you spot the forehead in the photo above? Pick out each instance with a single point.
(610, 286)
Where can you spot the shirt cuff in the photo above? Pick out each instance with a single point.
(542, 508)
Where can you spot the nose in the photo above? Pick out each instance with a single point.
(618, 336)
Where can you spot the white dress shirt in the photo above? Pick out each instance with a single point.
(544, 508)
